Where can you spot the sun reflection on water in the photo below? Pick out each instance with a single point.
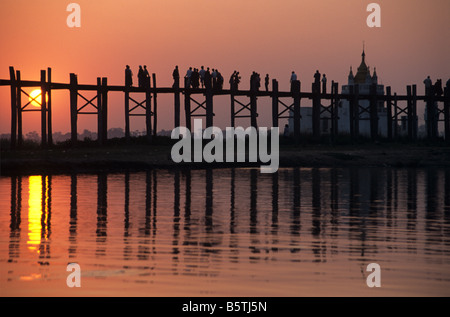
(34, 211)
(37, 211)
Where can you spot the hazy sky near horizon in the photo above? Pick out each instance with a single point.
(268, 36)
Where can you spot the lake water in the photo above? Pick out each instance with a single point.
(227, 232)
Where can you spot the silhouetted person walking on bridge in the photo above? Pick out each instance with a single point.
(214, 78)
(234, 81)
(293, 79)
(141, 77)
(438, 88)
(253, 81)
(176, 77)
(231, 81)
(202, 76)
(324, 84)
(219, 80)
(428, 83)
(188, 76)
(128, 76)
(146, 77)
(266, 82)
(195, 78)
(317, 81)
(237, 80)
(208, 83)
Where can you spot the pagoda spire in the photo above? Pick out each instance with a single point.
(363, 54)
(351, 78)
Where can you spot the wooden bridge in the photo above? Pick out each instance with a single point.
(243, 104)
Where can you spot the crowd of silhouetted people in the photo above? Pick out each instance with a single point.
(435, 88)
(204, 78)
(143, 77)
(235, 80)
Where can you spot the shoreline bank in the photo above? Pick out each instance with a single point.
(141, 157)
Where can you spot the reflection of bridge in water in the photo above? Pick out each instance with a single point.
(243, 104)
(310, 206)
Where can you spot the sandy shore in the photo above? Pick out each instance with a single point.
(141, 157)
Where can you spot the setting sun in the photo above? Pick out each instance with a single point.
(35, 98)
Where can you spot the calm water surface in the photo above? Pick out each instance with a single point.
(227, 232)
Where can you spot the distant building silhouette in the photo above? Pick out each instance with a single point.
(364, 80)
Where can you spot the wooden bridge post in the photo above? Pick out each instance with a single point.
(395, 116)
(155, 106)
(389, 112)
(73, 107)
(49, 107)
(12, 78)
(431, 115)
(43, 110)
(335, 110)
(187, 103)
(409, 109)
(316, 109)
(209, 106)
(253, 109)
(274, 103)
(105, 109)
(127, 113)
(414, 112)
(356, 112)
(351, 110)
(19, 110)
(447, 114)
(373, 107)
(296, 96)
(148, 110)
(232, 110)
(177, 102)
(411, 112)
(99, 112)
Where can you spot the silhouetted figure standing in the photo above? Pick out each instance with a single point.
(195, 78)
(188, 76)
(219, 79)
(214, 79)
(146, 77)
(176, 76)
(208, 79)
(128, 76)
(292, 80)
(428, 83)
(253, 81)
(266, 82)
(438, 88)
(317, 81)
(324, 84)
(202, 76)
(231, 81)
(141, 77)
(237, 80)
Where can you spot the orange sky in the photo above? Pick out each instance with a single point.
(268, 36)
